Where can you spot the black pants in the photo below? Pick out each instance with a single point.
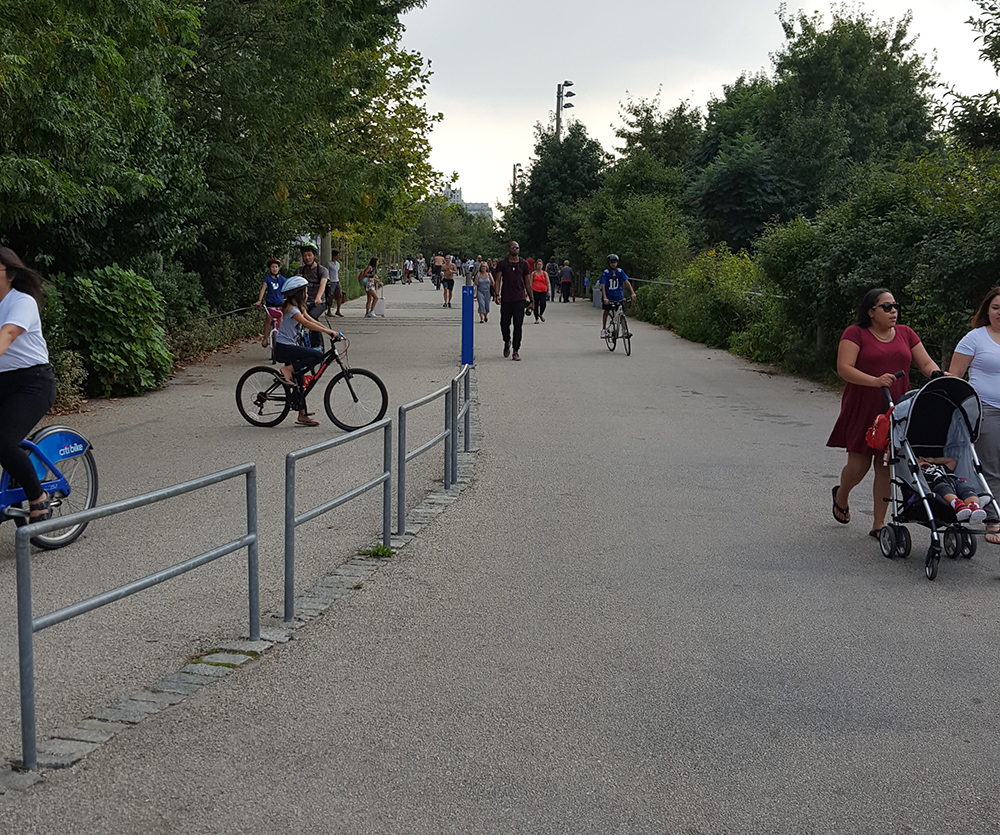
(315, 337)
(26, 394)
(300, 358)
(512, 311)
(566, 287)
(541, 299)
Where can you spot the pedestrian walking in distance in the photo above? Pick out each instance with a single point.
(512, 279)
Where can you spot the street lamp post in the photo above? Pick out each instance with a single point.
(516, 173)
(562, 93)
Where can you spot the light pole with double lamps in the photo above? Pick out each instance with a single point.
(562, 93)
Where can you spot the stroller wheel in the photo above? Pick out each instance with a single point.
(903, 542)
(968, 545)
(952, 542)
(931, 563)
(887, 541)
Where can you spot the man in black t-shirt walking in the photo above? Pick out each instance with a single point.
(513, 291)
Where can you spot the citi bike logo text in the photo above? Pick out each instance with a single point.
(69, 449)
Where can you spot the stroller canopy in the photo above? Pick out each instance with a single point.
(944, 412)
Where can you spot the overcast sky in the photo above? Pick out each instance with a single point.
(496, 65)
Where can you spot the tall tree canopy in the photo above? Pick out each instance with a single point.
(561, 173)
(854, 92)
(209, 131)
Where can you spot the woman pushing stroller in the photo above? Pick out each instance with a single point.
(871, 351)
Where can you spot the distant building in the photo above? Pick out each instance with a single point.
(454, 196)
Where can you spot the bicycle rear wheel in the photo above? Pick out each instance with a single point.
(261, 397)
(81, 474)
(626, 335)
(612, 333)
(355, 399)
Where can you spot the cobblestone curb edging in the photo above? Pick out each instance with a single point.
(68, 745)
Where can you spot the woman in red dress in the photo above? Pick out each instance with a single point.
(871, 351)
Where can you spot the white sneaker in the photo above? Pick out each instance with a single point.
(978, 515)
(604, 334)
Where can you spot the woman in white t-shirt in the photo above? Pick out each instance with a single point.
(979, 354)
(27, 387)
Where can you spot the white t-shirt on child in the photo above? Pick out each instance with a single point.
(984, 370)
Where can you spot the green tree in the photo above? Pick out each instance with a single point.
(975, 120)
(852, 93)
(559, 175)
(671, 138)
(303, 110)
(86, 108)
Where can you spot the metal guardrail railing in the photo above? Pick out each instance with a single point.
(452, 415)
(27, 624)
(403, 457)
(464, 414)
(292, 521)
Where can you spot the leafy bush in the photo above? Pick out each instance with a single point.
(711, 302)
(647, 303)
(183, 298)
(114, 318)
(71, 379)
(206, 333)
(67, 365)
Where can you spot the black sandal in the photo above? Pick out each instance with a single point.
(843, 511)
(41, 504)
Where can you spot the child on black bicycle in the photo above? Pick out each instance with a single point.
(290, 348)
(613, 283)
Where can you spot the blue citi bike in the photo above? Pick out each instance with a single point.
(65, 465)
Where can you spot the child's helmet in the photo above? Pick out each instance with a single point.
(612, 257)
(293, 285)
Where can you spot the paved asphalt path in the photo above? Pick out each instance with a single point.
(640, 617)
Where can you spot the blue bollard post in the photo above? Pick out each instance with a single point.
(468, 298)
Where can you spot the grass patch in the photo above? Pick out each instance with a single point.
(382, 552)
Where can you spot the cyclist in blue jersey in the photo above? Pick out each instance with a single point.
(613, 283)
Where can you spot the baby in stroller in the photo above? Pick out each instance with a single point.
(939, 473)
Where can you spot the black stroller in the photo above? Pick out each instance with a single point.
(941, 419)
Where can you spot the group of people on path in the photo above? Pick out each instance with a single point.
(522, 286)
(871, 352)
(295, 305)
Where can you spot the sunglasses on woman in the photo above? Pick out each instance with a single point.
(888, 307)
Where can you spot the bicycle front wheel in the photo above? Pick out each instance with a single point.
(612, 334)
(81, 474)
(626, 335)
(261, 397)
(355, 398)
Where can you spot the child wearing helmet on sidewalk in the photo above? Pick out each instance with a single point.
(290, 348)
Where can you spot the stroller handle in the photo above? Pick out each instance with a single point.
(885, 389)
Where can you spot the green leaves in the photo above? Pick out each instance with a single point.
(114, 318)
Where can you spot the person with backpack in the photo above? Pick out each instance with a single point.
(317, 277)
(552, 269)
